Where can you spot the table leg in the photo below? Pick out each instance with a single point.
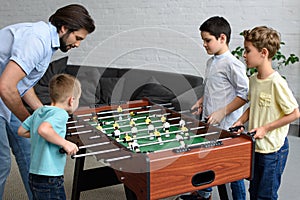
(225, 192)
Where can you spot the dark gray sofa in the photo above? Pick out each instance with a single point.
(102, 85)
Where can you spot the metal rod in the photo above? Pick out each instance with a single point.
(117, 158)
(81, 132)
(93, 145)
(96, 152)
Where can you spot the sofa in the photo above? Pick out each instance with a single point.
(104, 86)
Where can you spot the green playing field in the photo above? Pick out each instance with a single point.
(143, 137)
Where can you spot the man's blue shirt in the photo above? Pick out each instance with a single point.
(31, 46)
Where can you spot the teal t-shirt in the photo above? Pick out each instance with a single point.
(45, 156)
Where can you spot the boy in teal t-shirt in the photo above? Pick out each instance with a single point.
(47, 129)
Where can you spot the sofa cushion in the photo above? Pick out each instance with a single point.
(42, 87)
(177, 83)
(89, 78)
(111, 89)
(43, 94)
(154, 91)
(55, 67)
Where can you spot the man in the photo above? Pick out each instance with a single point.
(25, 53)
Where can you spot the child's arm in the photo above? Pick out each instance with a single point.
(48, 133)
(286, 119)
(242, 120)
(197, 107)
(23, 132)
(217, 116)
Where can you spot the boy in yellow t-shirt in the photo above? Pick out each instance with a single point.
(272, 108)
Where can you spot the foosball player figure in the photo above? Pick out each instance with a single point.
(163, 119)
(128, 139)
(100, 123)
(158, 136)
(132, 113)
(181, 122)
(151, 130)
(147, 120)
(117, 134)
(166, 128)
(180, 140)
(94, 117)
(184, 131)
(115, 124)
(100, 128)
(135, 146)
(120, 111)
(131, 122)
(134, 131)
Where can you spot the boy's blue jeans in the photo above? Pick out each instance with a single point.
(267, 173)
(10, 141)
(237, 188)
(47, 187)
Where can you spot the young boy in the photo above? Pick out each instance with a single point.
(272, 108)
(225, 92)
(47, 128)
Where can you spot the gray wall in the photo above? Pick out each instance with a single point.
(164, 35)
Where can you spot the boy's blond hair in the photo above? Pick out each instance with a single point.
(62, 86)
(263, 37)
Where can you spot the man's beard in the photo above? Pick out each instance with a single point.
(63, 46)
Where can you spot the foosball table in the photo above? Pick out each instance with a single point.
(154, 151)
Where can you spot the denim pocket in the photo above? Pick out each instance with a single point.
(56, 182)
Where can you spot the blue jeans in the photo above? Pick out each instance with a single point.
(206, 193)
(21, 149)
(267, 173)
(47, 187)
(237, 188)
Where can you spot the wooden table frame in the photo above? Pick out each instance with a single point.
(90, 178)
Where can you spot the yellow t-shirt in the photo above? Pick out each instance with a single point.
(270, 100)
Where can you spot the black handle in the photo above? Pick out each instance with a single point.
(236, 128)
(61, 150)
(251, 133)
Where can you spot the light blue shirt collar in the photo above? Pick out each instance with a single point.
(54, 37)
(222, 55)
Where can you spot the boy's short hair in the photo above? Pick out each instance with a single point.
(216, 26)
(263, 37)
(62, 86)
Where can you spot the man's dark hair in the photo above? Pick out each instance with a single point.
(73, 17)
(216, 26)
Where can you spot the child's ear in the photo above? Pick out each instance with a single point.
(265, 52)
(70, 101)
(223, 37)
